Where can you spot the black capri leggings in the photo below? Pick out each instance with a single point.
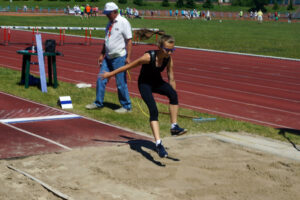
(165, 89)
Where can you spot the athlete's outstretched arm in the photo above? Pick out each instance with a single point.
(140, 61)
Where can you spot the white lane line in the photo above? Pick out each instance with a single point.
(240, 102)
(237, 116)
(35, 119)
(40, 137)
(235, 82)
(237, 53)
(240, 91)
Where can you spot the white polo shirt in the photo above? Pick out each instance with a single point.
(115, 39)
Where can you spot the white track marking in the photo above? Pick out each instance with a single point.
(236, 82)
(38, 136)
(240, 91)
(42, 118)
(236, 53)
(237, 116)
(240, 102)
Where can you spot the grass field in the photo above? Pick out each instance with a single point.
(147, 5)
(270, 38)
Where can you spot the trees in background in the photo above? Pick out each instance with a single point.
(165, 3)
(208, 4)
(253, 4)
(290, 5)
(190, 4)
(138, 2)
(179, 3)
(122, 1)
(275, 6)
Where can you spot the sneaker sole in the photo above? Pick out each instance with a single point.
(93, 108)
(166, 155)
(123, 112)
(181, 133)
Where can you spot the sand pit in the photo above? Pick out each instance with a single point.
(200, 167)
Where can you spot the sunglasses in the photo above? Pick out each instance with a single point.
(169, 50)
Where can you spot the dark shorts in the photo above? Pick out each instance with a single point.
(165, 89)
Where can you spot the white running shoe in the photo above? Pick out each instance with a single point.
(122, 110)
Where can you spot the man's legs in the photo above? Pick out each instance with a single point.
(121, 82)
(101, 84)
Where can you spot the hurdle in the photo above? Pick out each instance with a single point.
(62, 32)
(87, 36)
(87, 40)
(6, 36)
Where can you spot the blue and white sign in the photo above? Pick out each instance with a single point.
(66, 102)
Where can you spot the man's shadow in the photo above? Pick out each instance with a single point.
(112, 106)
(138, 145)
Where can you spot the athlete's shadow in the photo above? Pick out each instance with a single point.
(282, 132)
(138, 145)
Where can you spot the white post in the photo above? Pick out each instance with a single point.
(41, 62)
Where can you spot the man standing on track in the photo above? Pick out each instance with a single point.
(115, 53)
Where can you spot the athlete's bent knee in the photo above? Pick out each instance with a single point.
(173, 98)
(153, 115)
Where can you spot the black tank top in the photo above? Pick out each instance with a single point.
(150, 73)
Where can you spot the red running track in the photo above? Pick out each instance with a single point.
(32, 136)
(256, 89)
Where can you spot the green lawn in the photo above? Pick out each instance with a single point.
(155, 5)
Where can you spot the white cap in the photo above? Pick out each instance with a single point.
(110, 6)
